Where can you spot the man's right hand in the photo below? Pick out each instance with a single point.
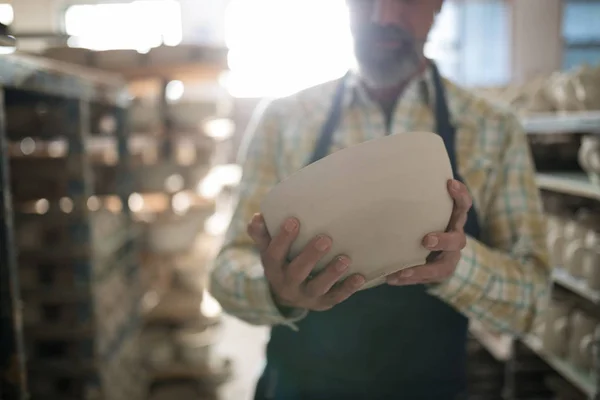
(290, 281)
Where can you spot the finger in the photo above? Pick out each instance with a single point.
(462, 203)
(279, 247)
(434, 272)
(257, 229)
(341, 292)
(324, 281)
(301, 266)
(445, 241)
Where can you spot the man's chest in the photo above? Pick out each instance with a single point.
(476, 157)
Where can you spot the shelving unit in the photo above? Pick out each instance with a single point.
(572, 183)
(581, 381)
(516, 352)
(13, 382)
(551, 123)
(177, 244)
(576, 286)
(81, 295)
(498, 345)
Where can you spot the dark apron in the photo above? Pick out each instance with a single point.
(382, 343)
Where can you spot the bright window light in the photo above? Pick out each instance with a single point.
(278, 47)
(138, 25)
(7, 14)
(444, 35)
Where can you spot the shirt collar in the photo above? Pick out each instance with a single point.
(419, 88)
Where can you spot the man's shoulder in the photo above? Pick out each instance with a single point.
(306, 100)
(469, 105)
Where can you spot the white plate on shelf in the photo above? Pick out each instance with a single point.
(376, 200)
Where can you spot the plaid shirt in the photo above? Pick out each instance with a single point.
(501, 281)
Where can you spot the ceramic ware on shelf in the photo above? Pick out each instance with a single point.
(376, 200)
(563, 91)
(556, 327)
(589, 157)
(581, 340)
(574, 249)
(591, 261)
(587, 85)
(173, 232)
(194, 345)
(159, 347)
(555, 239)
(575, 90)
(573, 257)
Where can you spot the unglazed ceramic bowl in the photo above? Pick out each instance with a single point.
(376, 200)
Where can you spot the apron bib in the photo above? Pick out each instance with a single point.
(382, 343)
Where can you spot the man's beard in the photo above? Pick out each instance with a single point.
(386, 67)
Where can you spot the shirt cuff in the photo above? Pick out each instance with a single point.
(279, 315)
(469, 282)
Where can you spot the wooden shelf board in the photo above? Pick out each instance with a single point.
(577, 286)
(573, 183)
(580, 380)
(556, 123)
(498, 345)
(196, 72)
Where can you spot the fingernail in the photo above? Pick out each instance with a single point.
(342, 264)
(455, 185)
(392, 281)
(290, 225)
(407, 273)
(358, 281)
(431, 241)
(323, 243)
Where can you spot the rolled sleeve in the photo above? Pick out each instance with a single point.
(505, 283)
(237, 279)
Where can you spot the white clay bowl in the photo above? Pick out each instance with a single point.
(376, 200)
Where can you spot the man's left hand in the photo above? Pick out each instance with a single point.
(450, 243)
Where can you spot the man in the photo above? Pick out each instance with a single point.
(405, 339)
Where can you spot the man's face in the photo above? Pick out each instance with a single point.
(389, 37)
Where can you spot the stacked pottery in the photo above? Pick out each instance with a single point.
(563, 92)
(582, 340)
(194, 343)
(144, 115)
(586, 82)
(576, 235)
(159, 348)
(574, 248)
(555, 239)
(572, 91)
(591, 261)
(589, 157)
(555, 332)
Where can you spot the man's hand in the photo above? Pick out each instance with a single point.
(450, 243)
(290, 282)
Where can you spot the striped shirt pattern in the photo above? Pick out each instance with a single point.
(502, 280)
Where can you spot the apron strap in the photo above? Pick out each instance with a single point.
(442, 118)
(444, 126)
(448, 133)
(333, 120)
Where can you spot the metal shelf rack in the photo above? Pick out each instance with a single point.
(59, 208)
(526, 358)
(573, 122)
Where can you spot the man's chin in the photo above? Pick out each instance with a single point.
(377, 78)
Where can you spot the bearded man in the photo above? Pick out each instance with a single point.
(405, 339)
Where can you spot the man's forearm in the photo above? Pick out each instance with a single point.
(238, 283)
(503, 291)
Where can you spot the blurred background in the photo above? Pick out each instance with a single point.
(119, 127)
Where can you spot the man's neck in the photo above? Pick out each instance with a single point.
(388, 97)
